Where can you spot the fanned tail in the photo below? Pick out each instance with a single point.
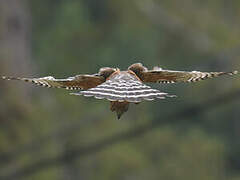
(121, 90)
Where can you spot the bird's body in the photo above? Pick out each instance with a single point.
(123, 87)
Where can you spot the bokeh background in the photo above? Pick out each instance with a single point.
(48, 134)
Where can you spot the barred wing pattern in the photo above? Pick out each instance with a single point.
(124, 87)
(71, 83)
(168, 76)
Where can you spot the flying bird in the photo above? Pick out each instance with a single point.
(122, 87)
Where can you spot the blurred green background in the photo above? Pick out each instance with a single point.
(48, 134)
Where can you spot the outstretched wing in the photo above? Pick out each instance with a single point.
(71, 83)
(157, 75)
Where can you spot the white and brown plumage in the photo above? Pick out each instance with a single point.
(123, 87)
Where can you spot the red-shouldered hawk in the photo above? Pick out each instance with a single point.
(123, 87)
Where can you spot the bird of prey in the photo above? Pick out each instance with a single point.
(122, 87)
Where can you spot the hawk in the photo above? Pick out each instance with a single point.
(122, 87)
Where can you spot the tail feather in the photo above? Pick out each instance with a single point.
(124, 90)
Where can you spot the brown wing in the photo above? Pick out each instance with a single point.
(168, 76)
(71, 83)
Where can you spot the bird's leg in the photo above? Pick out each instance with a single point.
(119, 107)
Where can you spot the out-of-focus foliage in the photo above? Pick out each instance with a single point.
(71, 37)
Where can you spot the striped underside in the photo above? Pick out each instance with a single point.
(124, 87)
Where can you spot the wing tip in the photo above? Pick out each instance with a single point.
(76, 94)
(172, 96)
(4, 77)
(235, 72)
(8, 78)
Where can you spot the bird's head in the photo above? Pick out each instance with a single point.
(121, 111)
(119, 107)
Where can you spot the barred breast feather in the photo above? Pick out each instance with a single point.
(124, 86)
